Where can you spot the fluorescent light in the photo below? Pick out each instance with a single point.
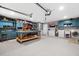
(61, 8)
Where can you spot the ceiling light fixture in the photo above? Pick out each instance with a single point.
(65, 17)
(61, 8)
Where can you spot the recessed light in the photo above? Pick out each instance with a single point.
(61, 8)
(65, 17)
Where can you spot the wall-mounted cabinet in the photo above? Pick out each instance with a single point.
(74, 23)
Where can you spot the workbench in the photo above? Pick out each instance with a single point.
(27, 35)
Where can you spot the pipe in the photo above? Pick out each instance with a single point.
(16, 11)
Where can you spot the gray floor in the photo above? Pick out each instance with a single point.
(46, 46)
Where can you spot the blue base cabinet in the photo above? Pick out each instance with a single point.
(7, 35)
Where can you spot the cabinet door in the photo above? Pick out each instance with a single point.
(11, 34)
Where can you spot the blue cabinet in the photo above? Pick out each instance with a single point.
(7, 35)
(7, 23)
(74, 23)
(7, 30)
(11, 34)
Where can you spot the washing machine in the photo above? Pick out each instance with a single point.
(75, 33)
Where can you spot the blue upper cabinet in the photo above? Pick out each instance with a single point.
(77, 22)
(5, 23)
(73, 22)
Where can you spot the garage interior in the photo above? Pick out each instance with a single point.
(39, 29)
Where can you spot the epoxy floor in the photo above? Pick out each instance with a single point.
(46, 46)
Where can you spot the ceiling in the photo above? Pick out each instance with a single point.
(61, 11)
(26, 8)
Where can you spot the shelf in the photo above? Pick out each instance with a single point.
(26, 39)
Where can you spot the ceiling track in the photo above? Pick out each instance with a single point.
(48, 12)
(41, 7)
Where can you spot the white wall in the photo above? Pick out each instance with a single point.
(38, 13)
